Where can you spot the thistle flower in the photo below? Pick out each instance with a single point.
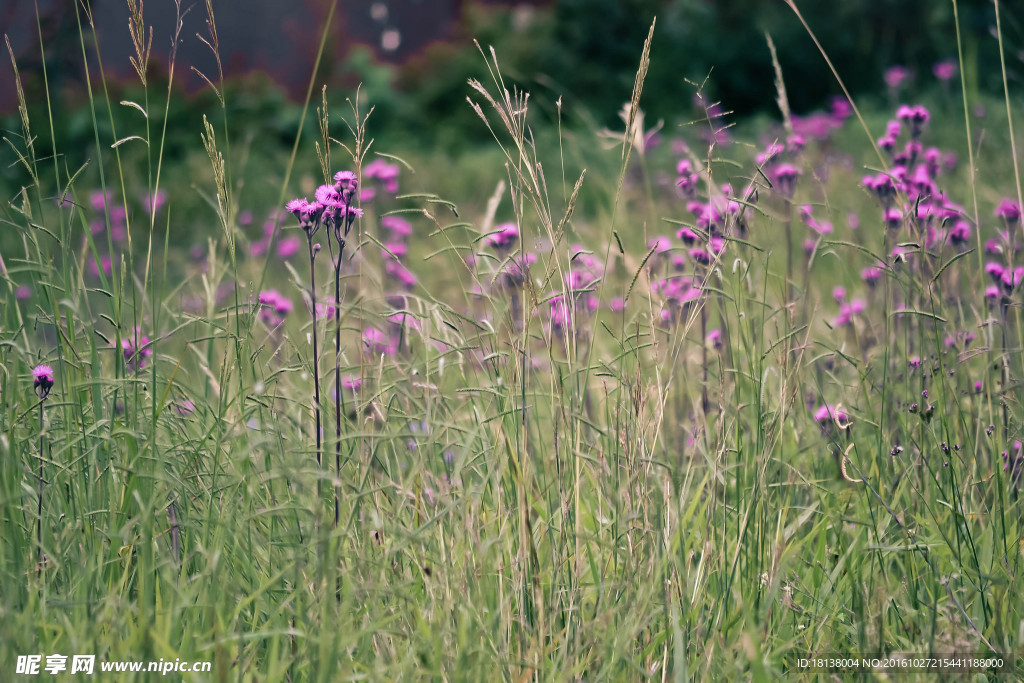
(847, 312)
(1014, 465)
(297, 207)
(960, 233)
(1012, 278)
(402, 320)
(561, 314)
(402, 275)
(308, 214)
(99, 200)
(381, 170)
(770, 154)
(136, 350)
(346, 180)
(329, 196)
(324, 311)
(895, 76)
(504, 237)
(376, 342)
(43, 378)
(288, 247)
(687, 235)
(398, 226)
(1009, 211)
(882, 186)
(516, 270)
(701, 256)
(916, 117)
(994, 270)
(944, 70)
(275, 306)
(829, 414)
(688, 178)
(152, 203)
(822, 228)
(660, 244)
(105, 263)
(393, 250)
(841, 108)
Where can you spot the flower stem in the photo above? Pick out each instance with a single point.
(39, 499)
(316, 355)
(337, 373)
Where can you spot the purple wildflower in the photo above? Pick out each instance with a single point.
(827, 415)
(1012, 278)
(136, 350)
(785, 176)
(377, 343)
(345, 180)
(504, 237)
(393, 250)
(274, 307)
(288, 247)
(944, 70)
(402, 275)
(1009, 211)
(895, 76)
(42, 380)
(398, 226)
(153, 203)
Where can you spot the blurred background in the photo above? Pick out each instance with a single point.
(414, 56)
(413, 59)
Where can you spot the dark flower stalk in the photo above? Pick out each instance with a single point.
(42, 376)
(309, 216)
(337, 199)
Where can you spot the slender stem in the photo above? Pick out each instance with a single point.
(1003, 322)
(789, 252)
(704, 360)
(316, 352)
(337, 371)
(39, 499)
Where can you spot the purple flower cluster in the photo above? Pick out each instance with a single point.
(581, 282)
(385, 173)
(819, 125)
(929, 214)
(847, 312)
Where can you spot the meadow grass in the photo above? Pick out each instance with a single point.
(570, 450)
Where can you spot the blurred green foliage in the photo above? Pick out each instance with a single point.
(583, 53)
(587, 51)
